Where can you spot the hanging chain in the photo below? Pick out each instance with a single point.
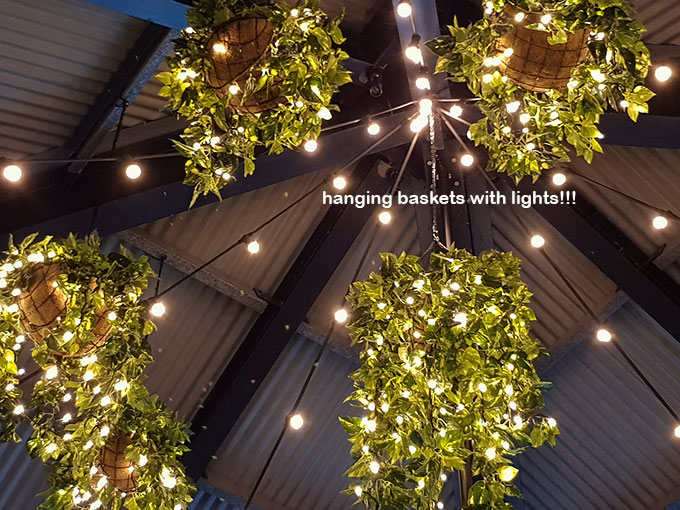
(433, 180)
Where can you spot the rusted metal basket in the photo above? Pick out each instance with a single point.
(236, 46)
(535, 64)
(112, 463)
(42, 305)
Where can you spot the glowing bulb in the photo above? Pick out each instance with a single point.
(603, 335)
(105, 401)
(234, 89)
(66, 418)
(12, 173)
(400, 420)
(537, 241)
(414, 54)
(425, 106)
(490, 453)
(104, 431)
(120, 386)
(421, 484)
(598, 75)
(373, 128)
(659, 222)
(51, 372)
(508, 52)
(482, 387)
(304, 26)
(487, 78)
(423, 83)
(385, 217)
(339, 182)
(546, 19)
(133, 171)
(374, 467)
(253, 247)
(461, 319)
(467, 160)
(559, 179)
(418, 123)
(508, 473)
(552, 422)
(404, 8)
(412, 449)
(89, 375)
(142, 460)
(325, 114)
(358, 491)
(68, 336)
(519, 17)
(524, 118)
(219, 48)
(51, 448)
(371, 425)
(341, 316)
(432, 384)
(296, 421)
(9, 387)
(509, 390)
(455, 111)
(513, 106)
(311, 145)
(158, 309)
(19, 409)
(661, 73)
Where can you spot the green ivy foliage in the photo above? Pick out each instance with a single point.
(554, 120)
(303, 60)
(84, 397)
(446, 375)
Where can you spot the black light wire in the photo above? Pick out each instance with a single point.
(573, 290)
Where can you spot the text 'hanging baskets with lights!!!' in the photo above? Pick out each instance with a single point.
(251, 77)
(106, 441)
(447, 380)
(549, 70)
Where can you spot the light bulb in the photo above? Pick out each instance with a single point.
(373, 128)
(519, 17)
(490, 453)
(425, 106)
(88, 376)
(603, 335)
(105, 401)
(385, 217)
(66, 418)
(142, 460)
(339, 182)
(414, 54)
(404, 8)
(325, 114)
(358, 491)
(508, 52)
(51, 372)
(487, 78)
(423, 83)
(121, 386)
(341, 315)
(677, 431)
(461, 319)
(455, 111)
(482, 387)
(513, 106)
(598, 75)
(158, 309)
(508, 473)
(663, 73)
(537, 241)
(296, 421)
(524, 118)
(559, 179)
(374, 467)
(112, 316)
(219, 48)
(552, 422)
(253, 247)
(311, 145)
(104, 431)
(546, 19)
(467, 160)
(418, 123)
(660, 222)
(18, 409)
(12, 173)
(234, 89)
(51, 448)
(133, 171)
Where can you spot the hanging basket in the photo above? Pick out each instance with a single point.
(112, 463)
(242, 43)
(535, 64)
(42, 305)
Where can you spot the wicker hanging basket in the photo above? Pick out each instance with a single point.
(112, 463)
(236, 46)
(42, 305)
(535, 64)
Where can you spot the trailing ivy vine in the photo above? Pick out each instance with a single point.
(446, 377)
(303, 61)
(90, 390)
(528, 132)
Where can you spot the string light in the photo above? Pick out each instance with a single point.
(659, 222)
(537, 241)
(374, 467)
(51, 372)
(234, 89)
(677, 431)
(385, 217)
(12, 173)
(296, 421)
(513, 106)
(663, 73)
(219, 48)
(490, 453)
(404, 8)
(325, 114)
(508, 473)
(425, 106)
(339, 182)
(311, 145)
(373, 128)
(423, 82)
(133, 171)
(519, 17)
(455, 111)
(253, 247)
(603, 335)
(341, 316)
(413, 52)
(158, 309)
(467, 160)
(418, 123)
(559, 179)
(482, 387)
(546, 19)
(19, 409)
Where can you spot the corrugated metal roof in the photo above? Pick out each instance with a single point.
(21, 477)
(148, 105)
(616, 450)
(55, 58)
(661, 18)
(307, 471)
